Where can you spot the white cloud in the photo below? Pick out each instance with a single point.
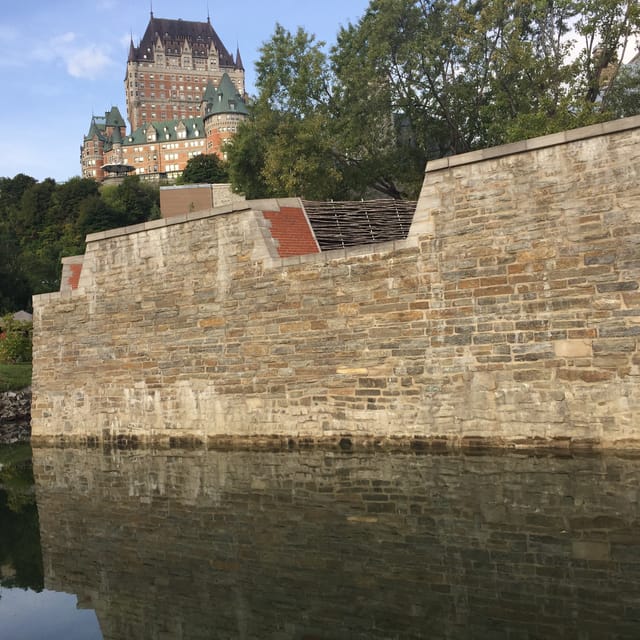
(88, 62)
(81, 60)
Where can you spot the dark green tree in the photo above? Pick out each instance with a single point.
(204, 168)
(133, 200)
(97, 215)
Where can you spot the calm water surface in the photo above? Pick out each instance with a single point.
(317, 545)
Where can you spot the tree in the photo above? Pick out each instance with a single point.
(414, 80)
(288, 147)
(204, 168)
(623, 99)
(133, 200)
(98, 215)
(15, 293)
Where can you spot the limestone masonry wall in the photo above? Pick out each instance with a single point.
(512, 312)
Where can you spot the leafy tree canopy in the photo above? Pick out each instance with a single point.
(414, 80)
(204, 168)
(40, 222)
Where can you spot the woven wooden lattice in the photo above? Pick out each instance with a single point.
(346, 224)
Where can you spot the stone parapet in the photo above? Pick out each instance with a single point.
(511, 313)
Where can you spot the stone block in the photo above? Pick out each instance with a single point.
(573, 348)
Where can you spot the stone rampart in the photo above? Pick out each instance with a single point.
(511, 313)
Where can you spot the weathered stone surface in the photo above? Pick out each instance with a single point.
(15, 416)
(511, 312)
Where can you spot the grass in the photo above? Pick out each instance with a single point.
(14, 377)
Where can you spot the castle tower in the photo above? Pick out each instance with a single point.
(168, 72)
(99, 141)
(223, 109)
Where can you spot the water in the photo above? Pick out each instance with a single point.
(320, 545)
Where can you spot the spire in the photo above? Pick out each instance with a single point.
(209, 93)
(238, 59)
(116, 136)
(132, 50)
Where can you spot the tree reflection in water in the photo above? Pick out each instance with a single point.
(20, 553)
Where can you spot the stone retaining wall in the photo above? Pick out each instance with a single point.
(511, 314)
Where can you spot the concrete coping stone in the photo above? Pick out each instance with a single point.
(65, 294)
(234, 207)
(541, 142)
(204, 185)
(167, 222)
(73, 259)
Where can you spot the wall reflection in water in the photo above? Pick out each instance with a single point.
(316, 544)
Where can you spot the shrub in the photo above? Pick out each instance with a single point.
(15, 340)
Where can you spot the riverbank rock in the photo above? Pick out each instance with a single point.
(15, 416)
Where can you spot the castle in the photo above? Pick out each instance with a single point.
(184, 95)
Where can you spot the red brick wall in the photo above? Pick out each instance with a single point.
(291, 229)
(74, 277)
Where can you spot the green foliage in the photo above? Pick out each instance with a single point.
(41, 222)
(14, 377)
(246, 153)
(20, 547)
(131, 202)
(15, 340)
(206, 168)
(414, 80)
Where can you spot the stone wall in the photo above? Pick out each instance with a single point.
(511, 313)
(315, 544)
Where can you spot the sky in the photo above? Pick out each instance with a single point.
(62, 62)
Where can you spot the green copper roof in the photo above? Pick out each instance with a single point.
(226, 99)
(95, 129)
(167, 131)
(116, 136)
(209, 92)
(113, 118)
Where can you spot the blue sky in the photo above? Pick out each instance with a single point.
(65, 60)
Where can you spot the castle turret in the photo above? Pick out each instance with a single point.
(224, 110)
